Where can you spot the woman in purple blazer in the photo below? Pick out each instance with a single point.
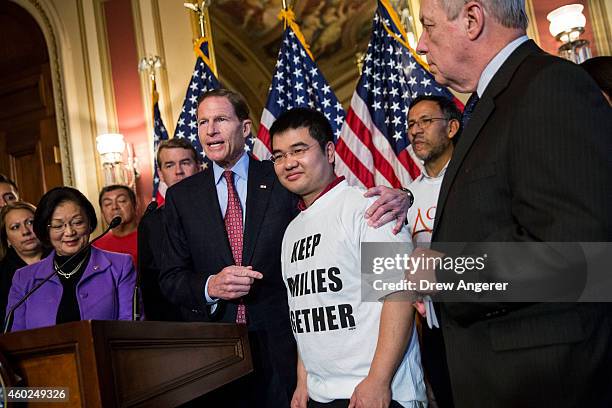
(95, 284)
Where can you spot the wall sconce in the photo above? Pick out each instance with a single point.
(406, 20)
(566, 25)
(111, 147)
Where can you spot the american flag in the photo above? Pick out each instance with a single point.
(373, 148)
(202, 80)
(159, 133)
(297, 82)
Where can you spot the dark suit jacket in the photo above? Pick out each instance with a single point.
(150, 233)
(533, 164)
(196, 246)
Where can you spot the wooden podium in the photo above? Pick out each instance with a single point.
(129, 364)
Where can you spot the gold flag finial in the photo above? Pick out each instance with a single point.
(149, 64)
(201, 9)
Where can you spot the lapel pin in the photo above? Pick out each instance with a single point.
(263, 186)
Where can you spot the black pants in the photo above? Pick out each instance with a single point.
(433, 359)
(342, 403)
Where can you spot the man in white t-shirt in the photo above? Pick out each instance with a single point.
(433, 127)
(434, 124)
(350, 351)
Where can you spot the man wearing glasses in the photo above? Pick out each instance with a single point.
(434, 125)
(222, 243)
(354, 350)
(433, 129)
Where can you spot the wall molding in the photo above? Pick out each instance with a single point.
(601, 26)
(164, 82)
(42, 16)
(532, 28)
(105, 65)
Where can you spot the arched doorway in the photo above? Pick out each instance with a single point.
(29, 145)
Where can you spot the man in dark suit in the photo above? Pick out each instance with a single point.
(224, 229)
(533, 165)
(200, 271)
(176, 159)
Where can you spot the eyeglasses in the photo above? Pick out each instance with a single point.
(423, 123)
(59, 227)
(296, 153)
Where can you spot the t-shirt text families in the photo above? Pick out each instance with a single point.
(321, 280)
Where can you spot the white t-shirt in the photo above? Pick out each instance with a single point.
(337, 332)
(422, 213)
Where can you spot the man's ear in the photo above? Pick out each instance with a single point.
(453, 128)
(161, 176)
(330, 152)
(474, 17)
(246, 127)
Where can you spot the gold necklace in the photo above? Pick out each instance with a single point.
(68, 274)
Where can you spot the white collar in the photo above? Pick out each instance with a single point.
(425, 175)
(496, 63)
(241, 168)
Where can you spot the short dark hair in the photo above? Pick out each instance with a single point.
(237, 100)
(447, 106)
(7, 180)
(317, 124)
(15, 205)
(50, 200)
(176, 143)
(600, 69)
(114, 187)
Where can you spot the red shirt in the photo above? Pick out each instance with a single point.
(124, 245)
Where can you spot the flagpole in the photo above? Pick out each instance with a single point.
(149, 64)
(211, 48)
(291, 88)
(201, 9)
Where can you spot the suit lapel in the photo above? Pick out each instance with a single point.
(97, 263)
(212, 220)
(484, 108)
(481, 114)
(259, 188)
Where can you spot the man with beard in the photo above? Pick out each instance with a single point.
(532, 172)
(433, 128)
(434, 124)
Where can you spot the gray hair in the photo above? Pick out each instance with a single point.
(509, 13)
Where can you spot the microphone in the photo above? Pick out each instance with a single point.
(114, 223)
(9, 316)
(136, 312)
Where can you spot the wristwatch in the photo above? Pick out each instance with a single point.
(410, 196)
(410, 201)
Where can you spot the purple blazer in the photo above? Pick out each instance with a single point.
(103, 293)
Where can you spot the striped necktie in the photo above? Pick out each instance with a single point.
(469, 108)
